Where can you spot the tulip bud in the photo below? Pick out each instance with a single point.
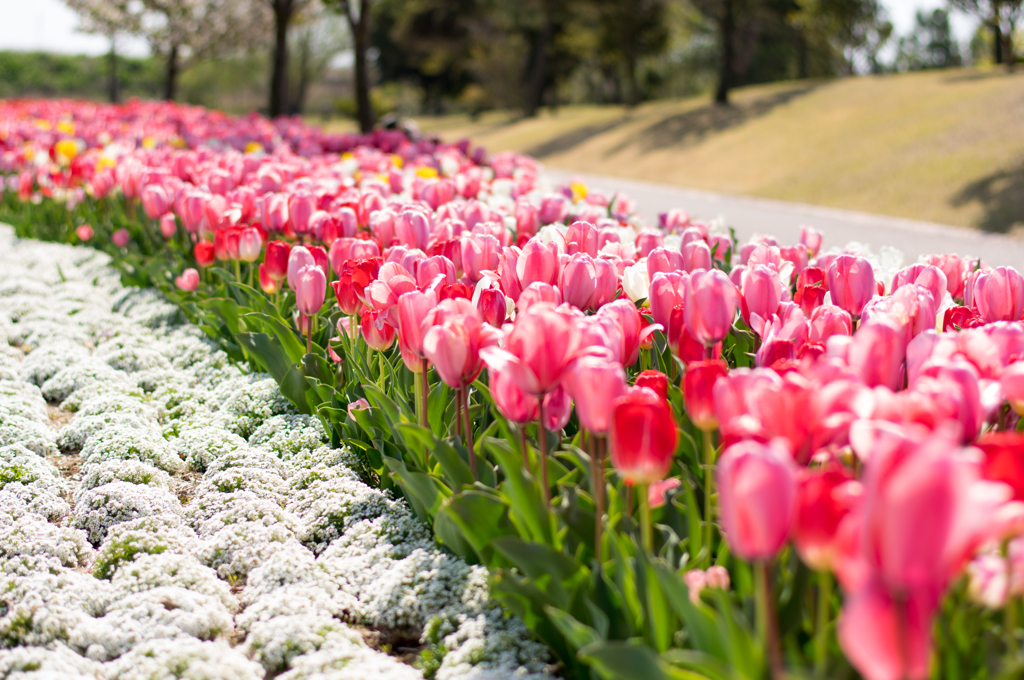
(121, 238)
(653, 380)
(276, 258)
(168, 226)
(512, 402)
(595, 384)
(205, 254)
(493, 306)
(84, 232)
(299, 258)
(249, 245)
(698, 391)
(851, 282)
(824, 498)
(378, 335)
(710, 306)
(643, 437)
(267, 282)
(310, 289)
(188, 281)
(756, 497)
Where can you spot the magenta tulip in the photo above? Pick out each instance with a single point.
(710, 306)
(310, 289)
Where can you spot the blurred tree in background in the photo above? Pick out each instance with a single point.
(930, 45)
(1001, 17)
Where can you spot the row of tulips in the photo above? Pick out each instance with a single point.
(667, 446)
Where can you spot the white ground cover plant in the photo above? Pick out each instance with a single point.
(164, 514)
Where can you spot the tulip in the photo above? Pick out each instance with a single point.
(413, 308)
(557, 405)
(876, 354)
(825, 497)
(643, 443)
(606, 283)
(527, 218)
(851, 282)
(649, 241)
(829, 320)
(698, 391)
(594, 384)
(84, 232)
(628, 323)
(998, 295)
(928, 276)
(204, 253)
(453, 346)
(276, 260)
(756, 498)
(657, 490)
(512, 402)
(1004, 460)
(121, 238)
(1012, 384)
(298, 258)
(538, 292)
(249, 245)
(538, 261)
(301, 207)
(188, 281)
(154, 201)
(310, 289)
(480, 252)
(377, 334)
(696, 255)
(710, 306)
(762, 293)
(267, 282)
(663, 260)
(653, 380)
(666, 292)
(810, 239)
(581, 237)
(493, 306)
(168, 226)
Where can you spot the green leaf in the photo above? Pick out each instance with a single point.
(577, 634)
(477, 517)
(524, 494)
(631, 660)
(558, 572)
(424, 493)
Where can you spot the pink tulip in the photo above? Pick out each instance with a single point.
(594, 384)
(810, 239)
(378, 334)
(924, 275)
(710, 306)
(876, 354)
(414, 308)
(301, 207)
(454, 345)
(627, 320)
(433, 267)
(310, 289)
(756, 497)
(538, 261)
(557, 408)
(577, 280)
(851, 282)
(649, 241)
(665, 293)
(527, 218)
(553, 209)
(663, 260)
(120, 238)
(84, 232)
(606, 284)
(413, 229)
(538, 292)
(762, 293)
(492, 305)
(154, 201)
(696, 255)
(829, 320)
(541, 345)
(1012, 383)
(188, 281)
(168, 225)
(298, 258)
(249, 245)
(513, 403)
(998, 295)
(480, 252)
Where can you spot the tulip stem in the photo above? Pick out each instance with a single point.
(597, 477)
(250, 274)
(1009, 607)
(353, 334)
(417, 396)
(458, 412)
(309, 335)
(238, 271)
(543, 437)
(469, 432)
(766, 625)
(709, 490)
(426, 394)
(523, 446)
(646, 529)
(821, 629)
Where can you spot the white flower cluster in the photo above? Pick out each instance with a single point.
(185, 522)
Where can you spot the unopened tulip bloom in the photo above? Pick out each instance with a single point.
(1012, 383)
(606, 283)
(824, 497)
(876, 354)
(249, 245)
(310, 289)
(925, 275)
(696, 255)
(538, 292)
(121, 238)
(513, 403)
(667, 290)
(84, 232)
(594, 384)
(756, 497)
(538, 261)
(378, 334)
(154, 201)
(204, 253)
(653, 380)
(493, 306)
(168, 225)
(577, 280)
(635, 283)
(643, 437)
(454, 345)
(301, 207)
(698, 391)
(267, 282)
(829, 320)
(663, 260)
(710, 306)
(998, 295)
(299, 258)
(762, 293)
(276, 259)
(628, 322)
(1004, 460)
(188, 281)
(851, 282)
(480, 252)
(810, 239)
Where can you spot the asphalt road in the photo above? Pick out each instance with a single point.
(783, 220)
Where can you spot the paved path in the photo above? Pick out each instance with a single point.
(782, 220)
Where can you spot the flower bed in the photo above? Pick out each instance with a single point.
(176, 515)
(666, 448)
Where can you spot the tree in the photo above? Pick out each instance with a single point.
(837, 30)
(1001, 16)
(316, 38)
(109, 18)
(284, 11)
(929, 45)
(359, 14)
(631, 31)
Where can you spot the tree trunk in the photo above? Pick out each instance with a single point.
(539, 68)
(632, 89)
(727, 25)
(298, 105)
(361, 33)
(803, 71)
(171, 77)
(113, 85)
(279, 76)
(997, 41)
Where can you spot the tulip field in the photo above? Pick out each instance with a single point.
(282, 403)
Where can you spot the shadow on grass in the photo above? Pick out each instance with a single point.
(691, 127)
(1001, 196)
(987, 74)
(574, 138)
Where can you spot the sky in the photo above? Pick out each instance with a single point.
(50, 26)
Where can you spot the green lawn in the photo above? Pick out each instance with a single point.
(942, 146)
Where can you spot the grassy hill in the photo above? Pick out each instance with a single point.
(941, 146)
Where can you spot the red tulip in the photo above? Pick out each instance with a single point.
(756, 497)
(653, 380)
(310, 289)
(378, 334)
(493, 306)
(268, 283)
(643, 437)
(1004, 460)
(824, 497)
(710, 306)
(204, 252)
(188, 281)
(698, 391)
(851, 282)
(276, 260)
(594, 384)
